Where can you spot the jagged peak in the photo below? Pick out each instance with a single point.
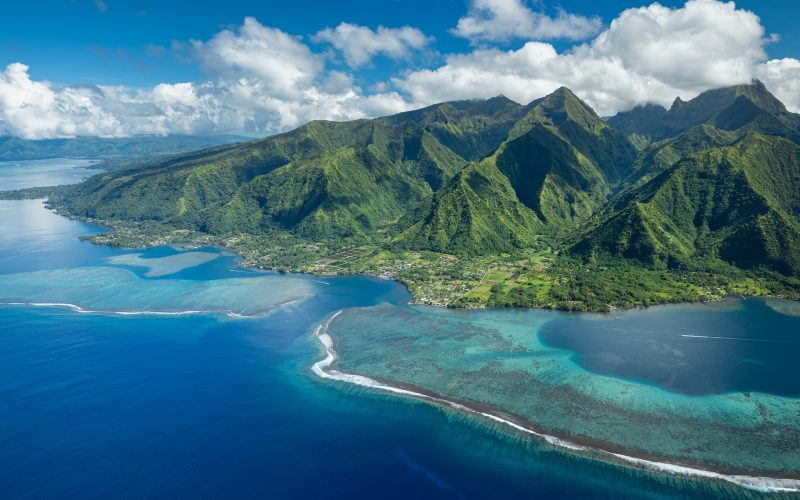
(755, 91)
(755, 84)
(561, 94)
(562, 90)
(499, 97)
(563, 101)
(677, 103)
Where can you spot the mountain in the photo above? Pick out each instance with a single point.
(640, 124)
(559, 160)
(324, 179)
(738, 203)
(657, 157)
(563, 113)
(13, 148)
(741, 108)
(471, 129)
(712, 181)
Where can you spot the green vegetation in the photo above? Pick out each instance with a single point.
(491, 203)
(476, 213)
(738, 203)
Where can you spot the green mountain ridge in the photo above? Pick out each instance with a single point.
(711, 182)
(476, 213)
(738, 203)
(560, 159)
(741, 108)
(578, 124)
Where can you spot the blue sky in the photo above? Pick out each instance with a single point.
(125, 57)
(75, 42)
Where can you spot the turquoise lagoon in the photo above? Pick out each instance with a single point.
(653, 392)
(170, 372)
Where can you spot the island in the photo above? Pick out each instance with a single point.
(492, 203)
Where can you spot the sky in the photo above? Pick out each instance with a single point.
(116, 68)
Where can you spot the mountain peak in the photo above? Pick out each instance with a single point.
(559, 108)
(563, 104)
(676, 104)
(562, 90)
(758, 93)
(748, 106)
(561, 94)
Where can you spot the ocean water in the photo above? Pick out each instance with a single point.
(749, 345)
(100, 397)
(40, 173)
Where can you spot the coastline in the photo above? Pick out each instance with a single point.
(584, 447)
(250, 263)
(458, 294)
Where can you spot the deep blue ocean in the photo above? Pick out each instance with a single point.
(203, 406)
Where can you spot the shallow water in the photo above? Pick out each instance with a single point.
(205, 405)
(497, 358)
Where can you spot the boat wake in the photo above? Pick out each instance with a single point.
(742, 339)
(323, 369)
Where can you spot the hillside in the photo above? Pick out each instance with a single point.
(476, 213)
(304, 180)
(576, 123)
(555, 168)
(738, 203)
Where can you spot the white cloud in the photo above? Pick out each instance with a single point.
(263, 80)
(282, 63)
(502, 20)
(782, 77)
(648, 54)
(359, 44)
(705, 43)
(33, 109)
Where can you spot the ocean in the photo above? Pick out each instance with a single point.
(170, 372)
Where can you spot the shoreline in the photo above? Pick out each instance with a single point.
(245, 263)
(585, 447)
